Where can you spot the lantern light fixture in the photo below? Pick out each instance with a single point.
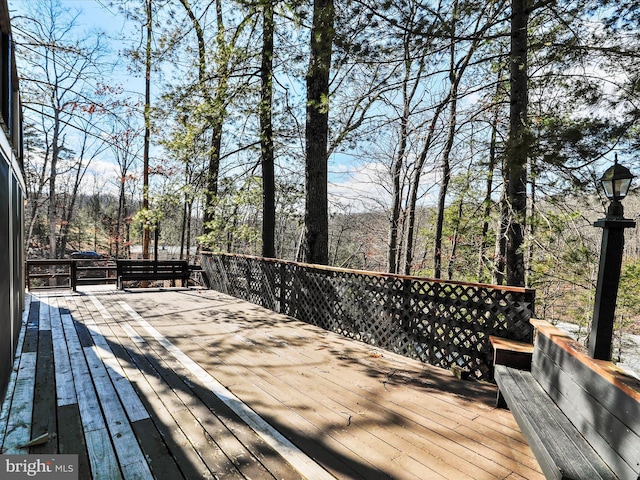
(616, 181)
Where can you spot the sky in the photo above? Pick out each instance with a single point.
(352, 183)
(92, 16)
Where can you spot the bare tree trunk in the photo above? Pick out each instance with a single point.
(517, 144)
(53, 206)
(456, 71)
(147, 131)
(35, 208)
(67, 217)
(444, 185)
(454, 241)
(394, 221)
(217, 106)
(120, 220)
(36, 198)
(489, 187)
(189, 213)
(183, 230)
(415, 185)
(316, 218)
(500, 263)
(454, 79)
(266, 134)
(532, 228)
(395, 235)
(127, 232)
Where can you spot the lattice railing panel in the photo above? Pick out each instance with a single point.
(441, 323)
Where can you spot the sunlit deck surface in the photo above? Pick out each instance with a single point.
(194, 384)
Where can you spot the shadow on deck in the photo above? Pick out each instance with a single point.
(191, 383)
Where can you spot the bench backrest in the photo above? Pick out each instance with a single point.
(601, 400)
(125, 267)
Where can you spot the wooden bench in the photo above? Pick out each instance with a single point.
(152, 270)
(581, 416)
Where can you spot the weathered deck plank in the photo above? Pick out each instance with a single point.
(348, 422)
(102, 456)
(187, 424)
(21, 410)
(6, 403)
(65, 387)
(71, 439)
(149, 383)
(194, 384)
(44, 409)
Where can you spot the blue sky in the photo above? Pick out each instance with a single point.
(355, 184)
(95, 13)
(98, 16)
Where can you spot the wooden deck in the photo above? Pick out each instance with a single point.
(194, 384)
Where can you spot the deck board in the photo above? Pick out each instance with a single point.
(352, 422)
(71, 439)
(194, 384)
(188, 412)
(44, 402)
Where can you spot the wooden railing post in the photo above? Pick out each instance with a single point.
(28, 276)
(73, 275)
(283, 284)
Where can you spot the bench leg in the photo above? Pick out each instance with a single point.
(500, 401)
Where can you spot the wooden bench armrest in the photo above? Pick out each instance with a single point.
(511, 353)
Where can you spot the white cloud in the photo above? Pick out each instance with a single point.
(361, 187)
(102, 176)
(367, 187)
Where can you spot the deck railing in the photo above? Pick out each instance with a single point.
(67, 273)
(442, 323)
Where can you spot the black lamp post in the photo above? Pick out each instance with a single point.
(615, 182)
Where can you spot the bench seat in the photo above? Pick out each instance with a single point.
(559, 447)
